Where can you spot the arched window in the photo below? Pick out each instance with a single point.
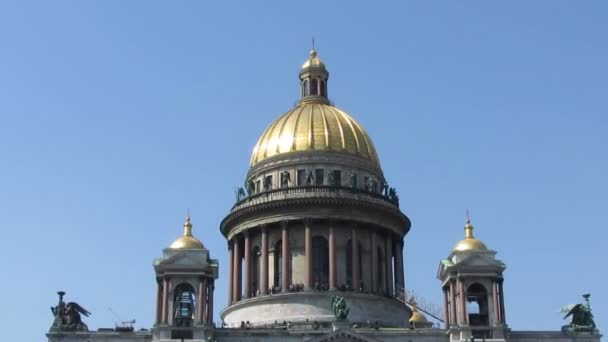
(349, 265)
(278, 260)
(320, 263)
(314, 87)
(184, 302)
(323, 89)
(477, 305)
(255, 270)
(305, 88)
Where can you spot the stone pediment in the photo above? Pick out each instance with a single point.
(344, 335)
(480, 260)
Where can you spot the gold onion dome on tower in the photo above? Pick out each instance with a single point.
(187, 241)
(469, 243)
(314, 124)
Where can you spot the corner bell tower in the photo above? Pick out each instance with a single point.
(472, 283)
(186, 279)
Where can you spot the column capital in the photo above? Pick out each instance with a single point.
(284, 224)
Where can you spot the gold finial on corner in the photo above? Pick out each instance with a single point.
(468, 227)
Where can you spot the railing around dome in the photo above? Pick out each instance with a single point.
(313, 191)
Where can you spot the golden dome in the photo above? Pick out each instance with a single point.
(469, 243)
(187, 241)
(417, 317)
(315, 126)
(313, 61)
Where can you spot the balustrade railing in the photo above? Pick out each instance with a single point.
(316, 191)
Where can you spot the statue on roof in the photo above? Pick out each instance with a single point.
(582, 317)
(67, 316)
(339, 307)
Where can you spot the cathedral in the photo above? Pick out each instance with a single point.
(315, 245)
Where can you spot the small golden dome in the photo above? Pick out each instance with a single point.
(313, 61)
(469, 243)
(187, 241)
(417, 317)
(315, 126)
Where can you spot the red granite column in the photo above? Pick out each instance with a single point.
(399, 274)
(308, 255)
(264, 266)
(374, 263)
(247, 292)
(230, 273)
(495, 302)
(389, 265)
(463, 303)
(210, 290)
(332, 257)
(453, 305)
(159, 301)
(355, 258)
(165, 300)
(285, 257)
(236, 288)
(202, 287)
(446, 312)
(501, 296)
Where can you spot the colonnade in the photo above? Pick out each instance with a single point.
(455, 302)
(384, 275)
(203, 311)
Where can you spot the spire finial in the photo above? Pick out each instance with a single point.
(468, 227)
(188, 225)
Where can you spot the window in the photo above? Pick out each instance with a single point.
(319, 176)
(314, 87)
(320, 263)
(336, 178)
(353, 180)
(301, 177)
(477, 305)
(349, 266)
(258, 186)
(305, 88)
(323, 92)
(183, 305)
(278, 260)
(268, 183)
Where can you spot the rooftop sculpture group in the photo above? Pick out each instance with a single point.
(67, 316)
(582, 317)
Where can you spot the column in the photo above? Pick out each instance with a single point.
(355, 258)
(210, 290)
(202, 288)
(165, 300)
(452, 302)
(285, 257)
(159, 301)
(332, 257)
(501, 296)
(446, 311)
(400, 281)
(236, 288)
(247, 292)
(308, 254)
(264, 265)
(495, 302)
(230, 273)
(382, 271)
(374, 263)
(389, 265)
(463, 303)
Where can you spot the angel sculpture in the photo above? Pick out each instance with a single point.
(67, 316)
(582, 317)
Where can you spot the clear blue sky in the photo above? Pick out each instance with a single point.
(116, 116)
